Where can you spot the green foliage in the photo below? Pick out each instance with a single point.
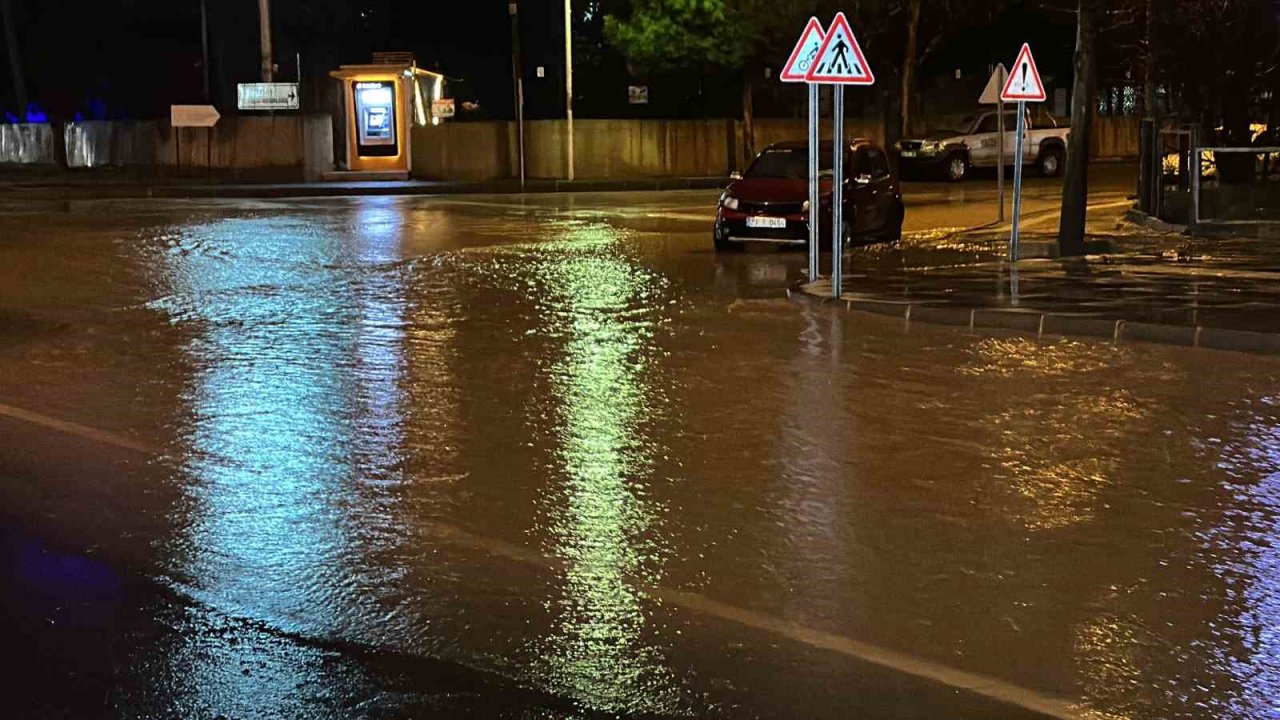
(666, 35)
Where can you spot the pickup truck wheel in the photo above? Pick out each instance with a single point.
(1050, 162)
(956, 167)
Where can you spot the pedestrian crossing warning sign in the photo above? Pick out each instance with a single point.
(1024, 84)
(840, 59)
(805, 53)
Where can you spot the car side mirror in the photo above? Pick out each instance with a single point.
(735, 175)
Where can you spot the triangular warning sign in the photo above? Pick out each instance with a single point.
(1024, 84)
(805, 53)
(840, 59)
(991, 93)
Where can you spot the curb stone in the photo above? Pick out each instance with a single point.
(1032, 322)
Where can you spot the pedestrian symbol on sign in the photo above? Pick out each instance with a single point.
(840, 63)
(840, 59)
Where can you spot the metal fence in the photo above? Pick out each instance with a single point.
(1235, 185)
(1165, 178)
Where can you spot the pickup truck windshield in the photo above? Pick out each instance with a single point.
(991, 123)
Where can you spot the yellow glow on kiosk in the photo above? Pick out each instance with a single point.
(380, 102)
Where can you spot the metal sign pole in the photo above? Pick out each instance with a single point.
(1000, 163)
(815, 147)
(837, 191)
(1017, 180)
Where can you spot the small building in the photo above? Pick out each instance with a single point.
(383, 101)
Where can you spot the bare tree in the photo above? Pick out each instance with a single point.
(927, 26)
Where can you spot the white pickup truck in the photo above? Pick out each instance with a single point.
(953, 153)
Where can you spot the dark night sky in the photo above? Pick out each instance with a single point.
(143, 55)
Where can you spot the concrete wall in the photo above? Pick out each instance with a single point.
(293, 147)
(603, 149)
(769, 131)
(464, 151)
(283, 147)
(612, 149)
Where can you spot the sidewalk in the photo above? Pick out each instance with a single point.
(1145, 286)
(93, 185)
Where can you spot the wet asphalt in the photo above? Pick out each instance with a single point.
(551, 456)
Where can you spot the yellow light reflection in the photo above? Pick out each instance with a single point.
(1047, 489)
(602, 525)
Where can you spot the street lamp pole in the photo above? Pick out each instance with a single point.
(264, 29)
(568, 82)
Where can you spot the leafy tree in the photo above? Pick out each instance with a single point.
(669, 35)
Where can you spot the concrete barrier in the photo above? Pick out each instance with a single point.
(26, 144)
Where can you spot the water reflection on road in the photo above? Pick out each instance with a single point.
(293, 427)
(498, 432)
(601, 310)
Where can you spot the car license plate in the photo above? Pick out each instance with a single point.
(766, 222)
(908, 153)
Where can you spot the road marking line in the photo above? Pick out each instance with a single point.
(84, 431)
(981, 685)
(1054, 213)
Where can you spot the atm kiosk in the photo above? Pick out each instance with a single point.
(383, 100)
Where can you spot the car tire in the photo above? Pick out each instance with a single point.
(1050, 162)
(956, 167)
(893, 231)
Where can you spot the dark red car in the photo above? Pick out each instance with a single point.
(769, 203)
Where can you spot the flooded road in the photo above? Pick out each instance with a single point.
(566, 447)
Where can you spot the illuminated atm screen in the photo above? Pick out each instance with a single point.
(375, 118)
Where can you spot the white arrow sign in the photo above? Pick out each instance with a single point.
(267, 96)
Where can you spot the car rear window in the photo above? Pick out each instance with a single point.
(787, 164)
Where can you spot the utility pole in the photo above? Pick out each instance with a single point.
(517, 77)
(264, 29)
(568, 82)
(15, 57)
(204, 49)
